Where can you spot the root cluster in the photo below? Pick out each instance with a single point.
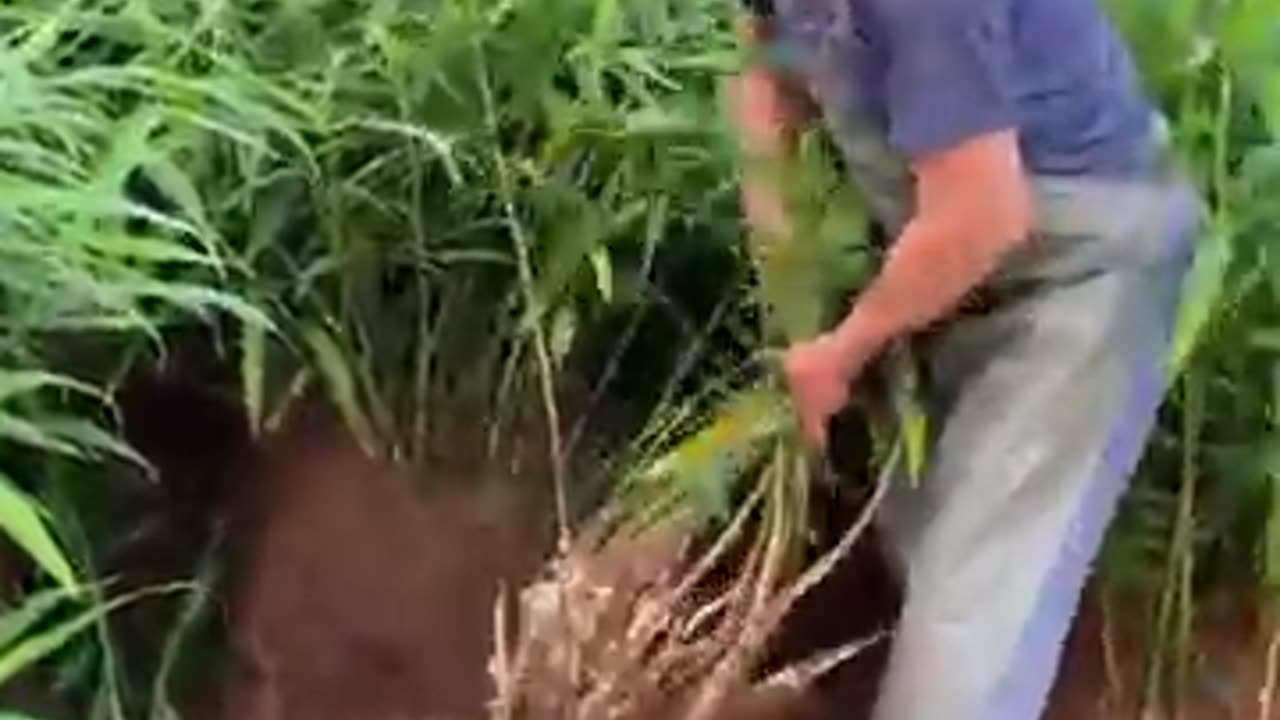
(658, 624)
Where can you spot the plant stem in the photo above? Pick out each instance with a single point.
(1110, 657)
(524, 264)
(421, 395)
(624, 342)
(1175, 597)
(1267, 694)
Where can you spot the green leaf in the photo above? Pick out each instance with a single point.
(22, 382)
(1271, 103)
(441, 145)
(253, 342)
(25, 432)
(15, 622)
(130, 144)
(294, 390)
(147, 249)
(176, 186)
(38, 646)
(915, 431)
(603, 268)
(910, 413)
(198, 299)
(604, 24)
(21, 519)
(1204, 288)
(272, 209)
(708, 464)
(1271, 539)
(564, 327)
(340, 380)
(91, 438)
(658, 122)
(1268, 339)
(568, 241)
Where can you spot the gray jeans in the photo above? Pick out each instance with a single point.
(1041, 407)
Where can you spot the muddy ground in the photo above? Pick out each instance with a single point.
(360, 600)
(357, 591)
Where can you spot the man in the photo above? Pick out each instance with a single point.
(1007, 147)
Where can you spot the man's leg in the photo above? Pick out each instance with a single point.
(1047, 401)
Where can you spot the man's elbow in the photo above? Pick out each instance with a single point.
(989, 225)
(1004, 217)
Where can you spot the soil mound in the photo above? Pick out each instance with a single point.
(359, 591)
(357, 594)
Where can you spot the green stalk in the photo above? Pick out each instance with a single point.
(423, 358)
(110, 691)
(1185, 534)
(1174, 594)
(524, 265)
(1176, 601)
(192, 609)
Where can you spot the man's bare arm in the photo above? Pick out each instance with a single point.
(973, 205)
(767, 111)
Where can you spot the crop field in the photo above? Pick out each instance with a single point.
(336, 336)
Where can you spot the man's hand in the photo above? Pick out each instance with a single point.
(819, 373)
(758, 100)
(973, 205)
(759, 110)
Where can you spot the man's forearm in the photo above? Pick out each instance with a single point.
(762, 144)
(973, 205)
(767, 114)
(929, 270)
(763, 202)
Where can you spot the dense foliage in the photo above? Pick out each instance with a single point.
(421, 207)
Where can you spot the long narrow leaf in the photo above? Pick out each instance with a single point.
(93, 439)
(339, 376)
(36, 647)
(21, 518)
(22, 431)
(22, 382)
(15, 622)
(1204, 289)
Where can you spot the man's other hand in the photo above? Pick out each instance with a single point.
(759, 111)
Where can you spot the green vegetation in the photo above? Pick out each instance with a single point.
(423, 208)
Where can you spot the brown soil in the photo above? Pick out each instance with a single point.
(359, 592)
(1224, 680)
(361, 599)
(358, 596)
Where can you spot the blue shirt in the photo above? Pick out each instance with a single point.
(931, 73)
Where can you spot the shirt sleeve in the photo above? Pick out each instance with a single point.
(947, 78)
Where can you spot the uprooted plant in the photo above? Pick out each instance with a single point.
(666, 603)
(638, 618)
